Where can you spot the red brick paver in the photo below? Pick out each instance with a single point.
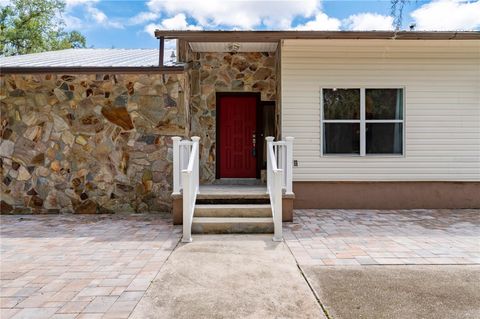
(381, 237)
(79, 266)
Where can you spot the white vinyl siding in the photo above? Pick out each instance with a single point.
(442, 106)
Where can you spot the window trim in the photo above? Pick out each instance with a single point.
(363, 121)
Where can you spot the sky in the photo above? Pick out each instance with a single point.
(130, 24)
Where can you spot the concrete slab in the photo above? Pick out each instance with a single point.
(229, 276)
(400, 292)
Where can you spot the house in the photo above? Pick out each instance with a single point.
(387, 120)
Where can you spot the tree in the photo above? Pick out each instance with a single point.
(397, 12)
(30, 26)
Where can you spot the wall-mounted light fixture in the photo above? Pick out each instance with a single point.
(233, 47)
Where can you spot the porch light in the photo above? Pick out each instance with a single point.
(233, 47)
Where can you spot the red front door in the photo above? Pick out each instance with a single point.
(238, 120)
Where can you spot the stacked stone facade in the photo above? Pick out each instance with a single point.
(224, 72)
(89, 143)
(92, 143)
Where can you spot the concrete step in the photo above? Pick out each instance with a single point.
(232, 225)
(232, 201)
(237, 181)
(233, 210)
(232, 192)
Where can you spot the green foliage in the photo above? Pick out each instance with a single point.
(30, 26)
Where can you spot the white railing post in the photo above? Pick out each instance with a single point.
(279, 154)
(176, 164)
(269, 140)
(277, 204)
(187, 216)
(289, 165)
(190, 184)
(196, 140)
(275, 180)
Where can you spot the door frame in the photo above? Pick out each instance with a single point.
(258, 126)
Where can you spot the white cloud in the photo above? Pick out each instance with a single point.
(448, 15)
(150, 28)
(83, 14)
(143, 17)
(97, 15)
(321, 22)
(246, 14)
(369, 22)
(101, 18)
(178, 22)
(72, 22)
(73, 3)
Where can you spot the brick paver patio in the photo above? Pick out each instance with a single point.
(71, 266)
(81, 266)
(372, 237)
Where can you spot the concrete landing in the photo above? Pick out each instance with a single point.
(234, 276)
(233, 192)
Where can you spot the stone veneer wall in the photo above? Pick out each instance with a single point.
(89, 143)
(224, 72)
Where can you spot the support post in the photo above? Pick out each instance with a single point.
(277, 218)
(176, 165)
(289, 165)
(187, 210)
(161, 51)
(269, 140)
(196, 140)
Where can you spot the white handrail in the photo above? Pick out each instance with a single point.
(181, 157)
(283, 151)
(186, 178)
(274, 189)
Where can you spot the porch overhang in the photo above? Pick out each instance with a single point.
(275, 36)
(198, 46)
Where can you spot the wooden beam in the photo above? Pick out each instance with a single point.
(274, 36)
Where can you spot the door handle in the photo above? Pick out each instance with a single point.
(254, 141)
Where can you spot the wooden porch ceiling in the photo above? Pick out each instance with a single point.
(275, 36)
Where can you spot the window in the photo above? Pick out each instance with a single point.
(362, 121)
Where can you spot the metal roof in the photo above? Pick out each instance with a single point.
(85, 58)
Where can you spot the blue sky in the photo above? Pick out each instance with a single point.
(130, 24)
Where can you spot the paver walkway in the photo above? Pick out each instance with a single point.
(373, 237)
(71, 266)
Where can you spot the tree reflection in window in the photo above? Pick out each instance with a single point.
(341, 104)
